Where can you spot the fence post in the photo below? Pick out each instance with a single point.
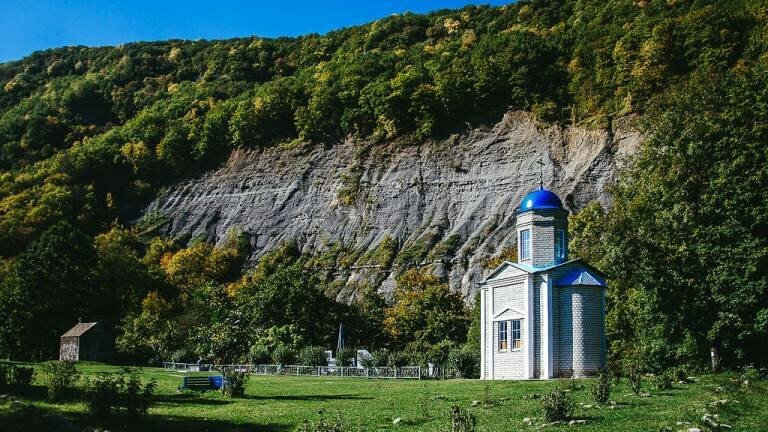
(395, 372)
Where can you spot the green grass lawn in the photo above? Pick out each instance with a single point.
(280, 403)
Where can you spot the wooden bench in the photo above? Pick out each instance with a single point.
(201, 383)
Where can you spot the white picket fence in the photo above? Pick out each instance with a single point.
(405, 372)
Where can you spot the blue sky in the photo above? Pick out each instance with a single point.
(30, 25)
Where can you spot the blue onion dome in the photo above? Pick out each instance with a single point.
(539, 200)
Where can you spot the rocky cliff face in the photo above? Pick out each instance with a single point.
(371, 210)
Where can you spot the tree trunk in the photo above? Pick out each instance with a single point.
(715, 359)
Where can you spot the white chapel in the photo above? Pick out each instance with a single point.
(544, 315)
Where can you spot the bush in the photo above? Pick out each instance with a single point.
(259, 354)
(6, 371)
(102, 395)
(283, 355)
(60, 378)
(380, 357)
(345, 356)
(323, 424)
(313, 356)
(487, 398)
(635, 377)
(679, 374)
(462, 420)
(22, 375)
(751, 374)
(465, 362)
(138, 399)
(570, 384)
(422, 353)
(397, 359)
(557, 405)
(234, 383)
(367, 361)
(601, 390)
(108, 396)
(663, 380)
(11, 374)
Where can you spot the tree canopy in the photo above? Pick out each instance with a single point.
(89, 135)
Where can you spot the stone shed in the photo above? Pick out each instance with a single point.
(84, 342)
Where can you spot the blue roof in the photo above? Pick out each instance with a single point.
(540, 199)
(581, 276)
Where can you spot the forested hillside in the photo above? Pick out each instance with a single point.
(90, 135)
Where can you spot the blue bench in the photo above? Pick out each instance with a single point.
(202, 383)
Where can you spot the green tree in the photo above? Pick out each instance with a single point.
(50, 287)
(290, 296)
(425, 311)
(685, 243)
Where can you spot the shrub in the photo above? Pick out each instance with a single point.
(751, 374)
(487, 398)
(102, 396)
(636, 383)
(437, 353)
(323, 424)
(5, 374)
(465, 362)
(635, 377)
(557, 405)
(11, 374)
(60, 378)
(663, 380)
(313, 356)
(679, 374)
(108, 396)
(397, 359)
(22, 375)
(367, 361)
(462, 420)
(380, 357)
(422, 353)
(345, 356)
(137, 399)
(259, 354)
(601, 389)
(571, 384)
(282, 355)
(234, 383)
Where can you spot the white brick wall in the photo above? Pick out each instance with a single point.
(579, 328)
(577, 322)
(507, 364)
(505, 292)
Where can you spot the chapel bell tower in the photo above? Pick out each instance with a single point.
(542, 230)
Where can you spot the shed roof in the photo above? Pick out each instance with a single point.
(79, 329)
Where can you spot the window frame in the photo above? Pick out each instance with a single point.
(560, 243)
(503, 343)
(525, 245)
(516, 342)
